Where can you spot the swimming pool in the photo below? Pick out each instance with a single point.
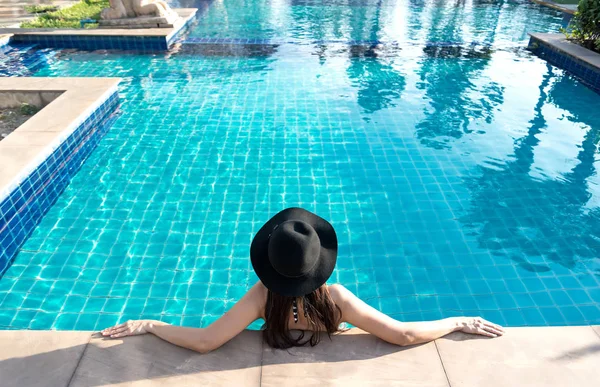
(459, 170)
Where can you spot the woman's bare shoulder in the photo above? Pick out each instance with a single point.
(339, 294)
(261, 293)
(261, 290)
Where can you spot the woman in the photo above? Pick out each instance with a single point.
(293, 255)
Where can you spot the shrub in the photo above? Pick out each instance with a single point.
(28, 110)
(585, 25)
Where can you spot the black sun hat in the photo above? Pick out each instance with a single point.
(294, 253)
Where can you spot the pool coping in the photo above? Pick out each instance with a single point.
(557, 6)
(577, 60)
(104, 38)
(548, 356)
(41, 156)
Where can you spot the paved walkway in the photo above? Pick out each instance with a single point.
(12, 12)
(550, 356)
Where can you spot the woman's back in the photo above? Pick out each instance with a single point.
(302, 323)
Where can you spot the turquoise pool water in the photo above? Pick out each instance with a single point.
(459, 171)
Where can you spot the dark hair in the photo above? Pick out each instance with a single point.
(322, 314)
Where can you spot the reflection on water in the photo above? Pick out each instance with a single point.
(378, 84)
(529, 219)
(404, 21)
(227, 50)
(454, 100)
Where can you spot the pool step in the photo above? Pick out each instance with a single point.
(23, 60)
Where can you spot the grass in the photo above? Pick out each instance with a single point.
(40, 8)
(68, 17)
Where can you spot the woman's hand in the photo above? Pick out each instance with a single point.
(479, 326)
(130, 328)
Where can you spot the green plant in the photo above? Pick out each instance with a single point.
(40, 8)
(585, 25)
(28, 110)
(68, 17)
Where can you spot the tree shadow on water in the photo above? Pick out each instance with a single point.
(451, 77)
(545, 218)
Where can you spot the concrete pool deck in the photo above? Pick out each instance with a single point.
(546, 356)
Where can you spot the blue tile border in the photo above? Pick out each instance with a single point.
(94, 42)
(23, 208)
(585, 72)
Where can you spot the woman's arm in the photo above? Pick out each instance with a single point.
(363, 316)
(202, 340)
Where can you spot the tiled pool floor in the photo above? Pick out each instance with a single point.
(459, 171)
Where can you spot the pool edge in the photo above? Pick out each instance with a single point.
(576, 60)
(68, 130)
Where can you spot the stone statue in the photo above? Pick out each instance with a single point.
(122, 9)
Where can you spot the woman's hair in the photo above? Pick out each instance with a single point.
(322, 314)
